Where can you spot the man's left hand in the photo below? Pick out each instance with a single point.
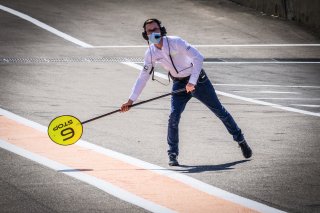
(190, 87)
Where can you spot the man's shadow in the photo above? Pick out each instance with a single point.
(207, 168)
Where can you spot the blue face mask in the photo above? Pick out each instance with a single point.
(154, 38)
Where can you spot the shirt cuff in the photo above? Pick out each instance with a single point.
(193, 80)
(133, 97)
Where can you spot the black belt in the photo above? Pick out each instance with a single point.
(184, 79)
(180, 79)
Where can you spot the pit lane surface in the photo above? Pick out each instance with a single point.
(283, 173)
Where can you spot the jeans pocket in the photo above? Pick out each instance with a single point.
(202, 78)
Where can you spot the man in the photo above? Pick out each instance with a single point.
(184, 65)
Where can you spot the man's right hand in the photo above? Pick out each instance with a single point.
(126, 106)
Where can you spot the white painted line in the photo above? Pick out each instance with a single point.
(138, 67)
(134, 65)
(257, 45)
(253, 62)
(119, 46)
(86, 45)
(306, 99)
(306, 105)
(100, 184)
(181, 178)
(23, 121)
(261, 62)
(290, 109)
(45, 26)
(216, 45)
(130, 160)
(265, 92)
(267, 85)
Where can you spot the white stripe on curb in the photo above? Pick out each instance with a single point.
(214, 45)
(133, 161)
(100, 184)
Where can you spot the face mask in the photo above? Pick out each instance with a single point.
(154, 38)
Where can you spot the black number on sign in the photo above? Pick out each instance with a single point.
(66, 132)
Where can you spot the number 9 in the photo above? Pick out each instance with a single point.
(65, 132)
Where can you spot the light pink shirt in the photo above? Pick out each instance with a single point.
(186, 59)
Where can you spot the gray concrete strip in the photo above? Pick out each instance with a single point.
(90, 59)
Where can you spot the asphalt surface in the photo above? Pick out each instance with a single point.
(284, 171)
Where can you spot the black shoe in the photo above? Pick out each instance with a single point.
(246, 151)
(173, 160)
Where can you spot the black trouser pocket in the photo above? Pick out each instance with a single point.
(202, 77)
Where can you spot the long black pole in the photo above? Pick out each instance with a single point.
(136, 104)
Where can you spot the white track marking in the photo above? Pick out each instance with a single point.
(45, 26)
(266, 92)
(257, 45)
(215, 45)
(254, 62)
(100, 184)
(270, 85)
(118, 192)
(306, 99)
(306, 105)
(86, 45)
(290, 109)
(182, 178)
(261, 62)
(119, 46)
(138, 67)
(134, 65)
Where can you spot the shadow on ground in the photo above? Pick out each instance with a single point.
(207, 168)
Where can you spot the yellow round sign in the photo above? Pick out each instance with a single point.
(65, 130)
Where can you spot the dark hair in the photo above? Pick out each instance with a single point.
(151, 20)
(163, 30)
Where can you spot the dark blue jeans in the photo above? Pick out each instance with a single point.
(205, 93)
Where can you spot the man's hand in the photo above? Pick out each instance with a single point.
(126, 106)
(189, 87)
